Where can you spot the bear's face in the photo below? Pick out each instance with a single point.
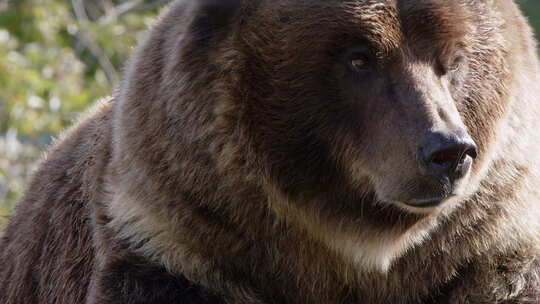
(369, 97)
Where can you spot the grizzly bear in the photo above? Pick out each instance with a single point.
(298, 151)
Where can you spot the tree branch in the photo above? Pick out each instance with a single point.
(133, 5)
(117, 11)
(90, 43)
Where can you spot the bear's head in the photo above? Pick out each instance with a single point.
(394, 99)
(371, 115)
(361, 92)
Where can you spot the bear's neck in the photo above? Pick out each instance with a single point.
(237, 238)
(232, 244)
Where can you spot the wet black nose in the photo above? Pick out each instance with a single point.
(448, 155)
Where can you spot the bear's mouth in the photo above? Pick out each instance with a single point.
(423, 194)
(426, 192)
(430, 202)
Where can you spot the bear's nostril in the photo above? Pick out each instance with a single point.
(450, 156)
(446, 156)
(472, 152)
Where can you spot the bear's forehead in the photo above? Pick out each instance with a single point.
(385, 23)
(366, 9)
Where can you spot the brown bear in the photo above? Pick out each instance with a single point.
(298, 151)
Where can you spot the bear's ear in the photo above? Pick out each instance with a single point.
(212, 17)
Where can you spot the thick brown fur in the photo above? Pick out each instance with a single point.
(242, 161)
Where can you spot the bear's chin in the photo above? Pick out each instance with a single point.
(430, 206)
(422, 195)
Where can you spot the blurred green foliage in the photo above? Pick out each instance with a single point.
(57, 57)
(532, 10)
(52, 65)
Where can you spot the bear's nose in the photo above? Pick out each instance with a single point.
(448, 155)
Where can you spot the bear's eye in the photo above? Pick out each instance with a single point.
(359, 63)
(456, 64)
(451, 66)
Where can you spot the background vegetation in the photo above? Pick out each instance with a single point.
(57, 57)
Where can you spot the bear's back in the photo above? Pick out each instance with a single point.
(49, 240)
